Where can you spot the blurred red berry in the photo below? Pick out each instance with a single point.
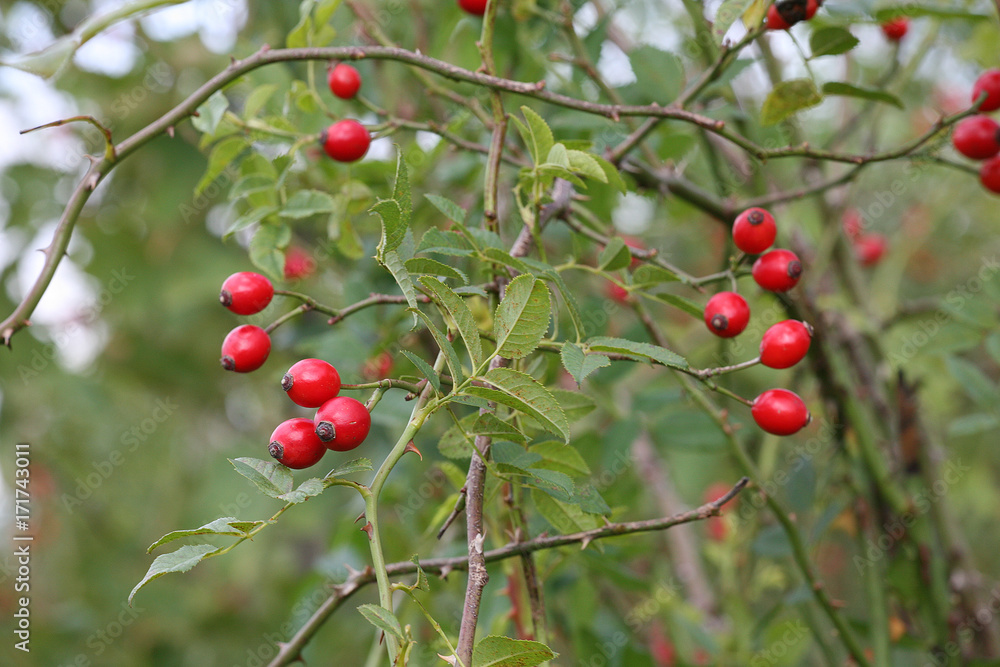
(895, 29)
(298, 264)
(870, 248)
(989, 83)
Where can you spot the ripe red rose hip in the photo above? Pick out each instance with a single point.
(870, 248)
(346, 140)
(989, 175)
(311, 382)
(777, 270)
(895, 29)
(344, 81)
(245, 348)
(727, 314)
(298, 264)
(294, 444)
(754, 231)
(774, 19)
(785, 344)
(342, 423)
(780, 412)
(977, 137)
(784, 14)
(989, 83)
(246, 293)
(476, 7)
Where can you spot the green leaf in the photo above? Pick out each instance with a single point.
(251, 184)
(422, 583)
(425, 369)
(250, 218)
(636, 350)
(973, 424)
(612, 174)
(831, 41)
(257, 98)
(383, 619)
(755, 13)
(401, 188)
(541, 140)
(787, 98)
(270, 477)
(489, 425)
(563, 516)
(973, 381)
(362, 464)
(847, 90)
(451, 210)
(522, 318)
(221, 158)
(306, 490)
(496, 651)
(729, 11)
(460, 314)
(524, 393)
(915, 11)
(392, 262)
(558, 156)
(393, 226)
(504, 258)
(444, 243)
(586, 164)
(687, 305)
(513, 455)
(546, 271)
(181, 560)
(266, 249)
(450, 356)
(580, 365)
(456, 443)
(305, 203)
(218, 527)
(427, 266)
(615, 255)
(659, 76)
(650, 275)
(560, 457)
(210, 113)
(575, 404)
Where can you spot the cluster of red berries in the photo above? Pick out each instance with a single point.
(347, 140)
(340, 424)
(783, 14)
(784, 344)
(978, 137)
(869, 247)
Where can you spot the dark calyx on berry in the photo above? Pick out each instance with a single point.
(276, 450)
(794, 269)
(720, 322)
(287, 381)
(326, 431)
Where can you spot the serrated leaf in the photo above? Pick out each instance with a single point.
(522, 392)
(457, 442)
(847, 90)
(544, 270)
(831, 41)
(687, 305)
(504, 258)
(489, 425)
(210, 113)
(522, 317)
(584, 163)
(251, 184)
(650, 275)
(562, 458)
(460, 314)
(637, 350)
(496, 651)
(362, 464)
(513, 455)
(401, 188)
(427, 266)
(393, 227)
(787, 98)
(444, 243)
(257, 98)
(181, 560)
(575, 404)
(541, 136)
(451, 210)
(612, 174)
(223, 156)
(589, 499)
(563, 516)
(558, 156)
(306, 490)
(422, 583)
(614, 256)
(425, 369)
(659, 76)
(394, 264)
(305, 203)
(580, 365)
(270, 477)
(450, 356)
(729, 11)
(266, 247)
(250, 218)
(383, 619)
(220, 526)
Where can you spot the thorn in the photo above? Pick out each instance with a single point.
(540, 85)
(450, 659)
(410, 447)
(351, 571)
(477, 543)
(195, 113)
(368, 529)
(360, 517)
(445, 571)
(170, 131)
(585, 542)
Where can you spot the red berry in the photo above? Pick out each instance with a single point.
(245, 348)
(780, 412)
(989, 83)
(774, 19)
(295, 445)
(754, 231)
(477, 7)
(977, 137)
(246, 293)
(989, 175)
(777, 270)
(852, 223)
(727, 314)
(784, 14)
(870, 248)
(298, 264)
(616, 292)
(785, 344)
(344, 81)
(378, 367)
(311, 382)
(342, 423)
(895, 29)
(812, 6)
(346, 140)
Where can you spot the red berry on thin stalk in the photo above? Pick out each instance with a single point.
(780, 412)
(754, 231)
(785, 344)
(989, 175)
(246, 293)
(245, 349)
(977, 137)
(989, 83)
(342, 423)
(895, 29)
(344, 81)
(777, 271)
(311, 382)
(294, 444)
(727, 314)
(346, 140)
